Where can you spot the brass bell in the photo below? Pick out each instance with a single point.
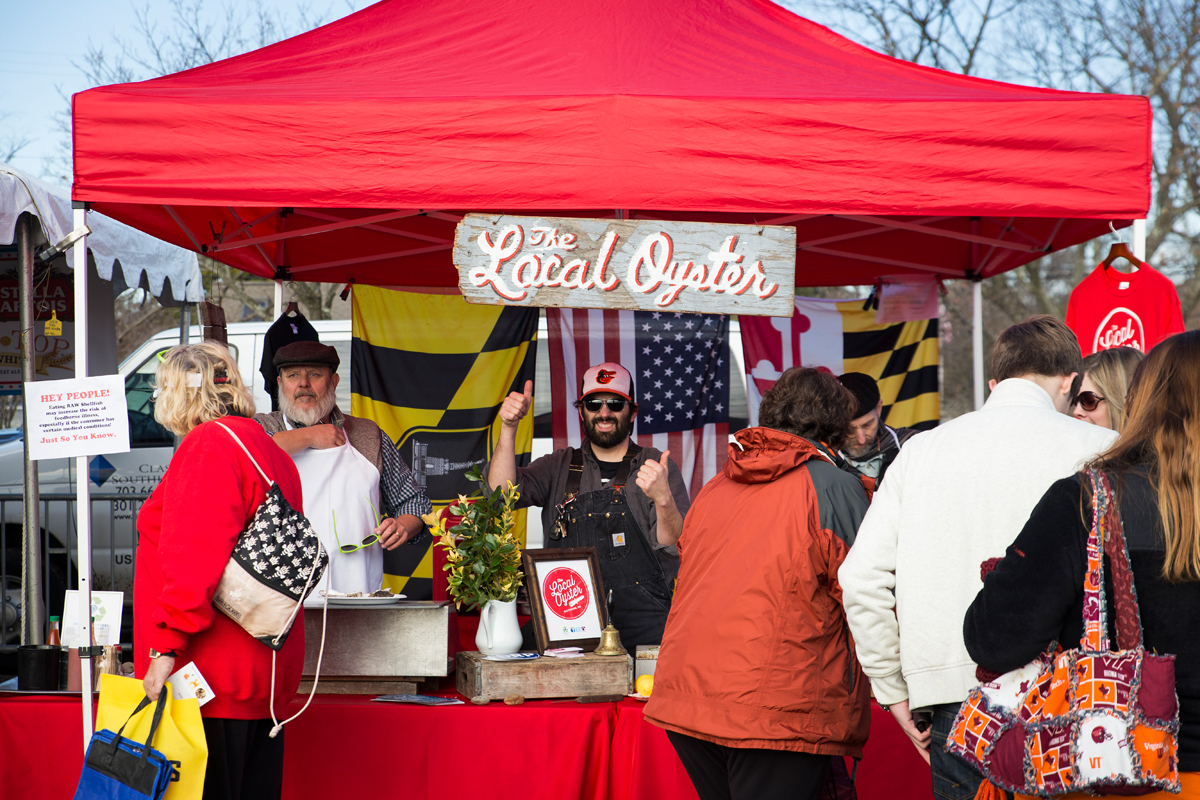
(610, 643)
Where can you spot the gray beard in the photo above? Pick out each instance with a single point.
(310, 415)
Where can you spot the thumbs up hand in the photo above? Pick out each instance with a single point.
(652, 479)
(516, 406)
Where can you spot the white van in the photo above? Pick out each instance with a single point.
(121, 482)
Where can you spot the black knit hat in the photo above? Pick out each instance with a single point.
(306, 353)
(864, 389)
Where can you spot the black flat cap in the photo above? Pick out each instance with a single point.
(306, 353)
(863, 387)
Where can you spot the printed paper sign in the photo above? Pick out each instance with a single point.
(107, 609)
(902, 300)
(651, 265)
(188, 683)
(571, 611)
(80, 417)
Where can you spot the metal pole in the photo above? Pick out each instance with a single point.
(185, 322)
(1139, 239)
(278, 299)
(83, 491)
(32, 622)
(977, 339)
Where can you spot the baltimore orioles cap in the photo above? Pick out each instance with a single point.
(608, 377)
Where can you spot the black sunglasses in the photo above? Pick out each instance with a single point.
(1089, 401)
(617, 405)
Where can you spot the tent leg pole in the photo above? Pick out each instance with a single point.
(1139, 239)
(83, 491)
(278, 299)
(977, 339)
(185, 321)
(32, 622)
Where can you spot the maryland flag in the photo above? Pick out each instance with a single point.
(432, 371)
(840, 336)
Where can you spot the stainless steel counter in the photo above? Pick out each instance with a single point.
(408, 639)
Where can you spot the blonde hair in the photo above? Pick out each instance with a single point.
(1112, 371)
(181, 407)
(1162, 426)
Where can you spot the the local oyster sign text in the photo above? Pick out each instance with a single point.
(638, 264)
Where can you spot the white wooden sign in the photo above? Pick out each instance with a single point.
(638, 264)
(77, 417)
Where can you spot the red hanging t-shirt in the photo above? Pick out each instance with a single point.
(1110, 308)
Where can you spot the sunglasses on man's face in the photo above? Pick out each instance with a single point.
(614, 403)
(1089, 401)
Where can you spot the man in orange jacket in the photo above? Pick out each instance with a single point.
(757, 683)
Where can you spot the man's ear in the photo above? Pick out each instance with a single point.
(991, 384)
(879, 409)
(1067, 383)
(336, 378)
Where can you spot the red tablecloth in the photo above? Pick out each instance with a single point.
(352, 746)
(644, 765)
(41, 746)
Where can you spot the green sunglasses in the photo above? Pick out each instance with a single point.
(352, 548)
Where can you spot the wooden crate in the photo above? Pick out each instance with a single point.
(544, 677)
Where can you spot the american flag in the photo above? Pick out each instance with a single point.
(680, 368)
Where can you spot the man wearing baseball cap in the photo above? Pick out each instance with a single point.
(625, 500)
(348, 467)
(871, 446)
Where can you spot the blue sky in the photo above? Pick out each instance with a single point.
(44, 38)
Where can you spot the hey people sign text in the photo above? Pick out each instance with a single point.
(648, 265)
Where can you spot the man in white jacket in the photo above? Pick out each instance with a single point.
(956, 496)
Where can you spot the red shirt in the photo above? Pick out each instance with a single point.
(188, 529)
(1116, 309)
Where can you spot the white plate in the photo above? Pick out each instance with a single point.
(365, 601)
(639, 697)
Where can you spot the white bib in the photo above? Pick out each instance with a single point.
(342, 480)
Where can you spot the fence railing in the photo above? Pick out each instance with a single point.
(113, 551)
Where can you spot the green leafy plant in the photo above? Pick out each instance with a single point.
(483, 556)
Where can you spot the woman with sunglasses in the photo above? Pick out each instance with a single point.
(188, 529)
(1036, 593)
(1103, 385)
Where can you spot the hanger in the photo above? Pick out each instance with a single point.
(1120, 250)
(292, 308)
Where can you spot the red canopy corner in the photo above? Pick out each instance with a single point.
(350, 152)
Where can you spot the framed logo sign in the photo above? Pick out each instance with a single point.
(566, 595)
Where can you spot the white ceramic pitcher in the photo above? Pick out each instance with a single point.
(498, 631)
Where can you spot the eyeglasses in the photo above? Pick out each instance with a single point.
(351, 548)
(1089, 401)
(615, 403)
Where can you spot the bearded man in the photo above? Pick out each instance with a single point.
(587, 499)
(870, 446)
(359, 495)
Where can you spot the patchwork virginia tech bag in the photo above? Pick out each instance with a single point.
(1083, 719)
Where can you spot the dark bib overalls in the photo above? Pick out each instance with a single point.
(628, 565)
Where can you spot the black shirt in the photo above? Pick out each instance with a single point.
(608, 470)
(283, 331)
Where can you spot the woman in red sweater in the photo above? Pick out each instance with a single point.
(188, 529)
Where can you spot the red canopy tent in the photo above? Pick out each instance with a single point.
(350, 152)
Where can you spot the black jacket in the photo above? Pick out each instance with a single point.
(1035, 595)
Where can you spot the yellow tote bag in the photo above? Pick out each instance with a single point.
(180, 735)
